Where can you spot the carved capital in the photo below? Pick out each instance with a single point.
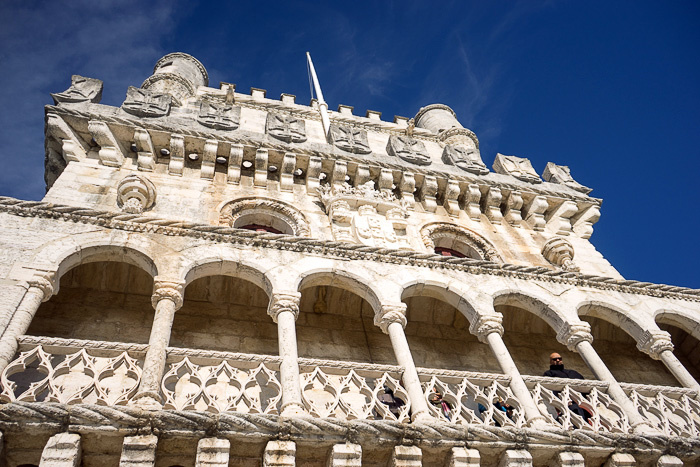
(394, 313)
(165, 289)
(284, 302)
(573, 334)
(46, 282)
(484, 325)
(654, 343)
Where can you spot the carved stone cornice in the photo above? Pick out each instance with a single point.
(654, 343)
(167, 289)
(280, 302)
(228, 235)
(572, 334)
(248, 139)
(394, 313)
(484, 325)
(44, 281)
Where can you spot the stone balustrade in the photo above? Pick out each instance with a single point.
(70, 371)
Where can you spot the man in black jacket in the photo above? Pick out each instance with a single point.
(557, 370)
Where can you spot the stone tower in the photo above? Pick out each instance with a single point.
(213, 280)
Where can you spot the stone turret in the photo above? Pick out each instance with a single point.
(177, 74)
(437, 118)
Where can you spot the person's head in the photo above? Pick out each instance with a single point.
(555, 359)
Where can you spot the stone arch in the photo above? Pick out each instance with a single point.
(439, 291)
(616, 316)
(64, 254)
(685, 321)
(265, 211)
(348, 280)
(459, 238)
(538, 306)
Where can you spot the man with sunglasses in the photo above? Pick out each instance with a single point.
(557, 370)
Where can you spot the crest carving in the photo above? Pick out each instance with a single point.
(81, 89)
(408, 149)
(286, 128)
(518, 167)
(364, 215)
(467, 159)
(350, 139)
(144, 103)
(562, 174)
(219, 116)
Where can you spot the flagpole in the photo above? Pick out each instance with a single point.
(322, 106)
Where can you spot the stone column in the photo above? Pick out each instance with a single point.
(284, 310)
(40, 289)
(213, 452)
(166, 299)
(139, 451)
(280, 454)
(577, 337)
(488, 329)
(657, 344)
(392, 320)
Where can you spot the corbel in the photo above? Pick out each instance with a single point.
(145, 159)
(177, 155)
(260, 177)
(235, 160)
(361, 175)
(514, 203)
(472, 202)
(428, 192)
(491, 205)
(386, 181)
(533, 212)
(313, 172)
(407, 186)
(289, 163)
(559, 218)
(110, 153)
(583, 221)
(71, 146)
(340, 170)
(452, 198)
(211, 146)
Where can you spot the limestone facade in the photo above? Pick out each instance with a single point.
(212, 280)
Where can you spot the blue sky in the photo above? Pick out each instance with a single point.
(611, 89)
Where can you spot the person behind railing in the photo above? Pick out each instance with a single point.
(501, 405)
(394, 403)
(443, 406)
(557, 370)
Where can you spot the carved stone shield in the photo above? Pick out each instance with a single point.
(372, 229)
(82, 89)
(219, 116)
(518, 167)
(144, 103)
(408, 149)
(350, 139)
(286, 128)
(468, 159)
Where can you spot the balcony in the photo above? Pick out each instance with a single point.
(71, 371)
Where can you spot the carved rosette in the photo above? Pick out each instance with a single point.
(44, 281)
(284, 302)
(484, 325)
(171, 290)
(395, 313)
(135, 194)
(560, 252)
(654, 343)
(573, 334)
(81, 89)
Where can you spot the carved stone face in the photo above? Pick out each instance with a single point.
(286, 128)
(82, 89)
(408, 149)
(219, 116)
(468, 159)
(144, 103)
(350, 139)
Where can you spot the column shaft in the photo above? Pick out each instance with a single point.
(419, 406)
(517, 385)
(679, 371)
(154, 363)
(615, 391)
(289, 368)
(19, 323)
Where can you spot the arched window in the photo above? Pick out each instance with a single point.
(266, 215)
(452, 240)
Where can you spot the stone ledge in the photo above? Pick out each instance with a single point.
(341, 250)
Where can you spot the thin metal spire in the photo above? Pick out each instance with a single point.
(322, 106)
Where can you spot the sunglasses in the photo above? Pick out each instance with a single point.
(555, 359)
